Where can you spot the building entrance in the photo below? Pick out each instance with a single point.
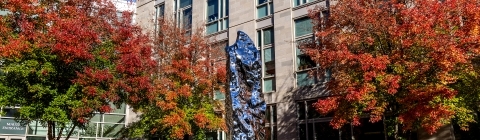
(11, 138)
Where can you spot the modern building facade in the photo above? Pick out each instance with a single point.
(277, 26)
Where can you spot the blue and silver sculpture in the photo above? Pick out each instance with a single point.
(245, 104)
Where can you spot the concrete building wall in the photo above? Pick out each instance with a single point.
(243, 17)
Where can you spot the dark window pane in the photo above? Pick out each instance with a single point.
(304, 62)
(310, 131)
(10, 112)
(301, 110)
(226, 7)
(274, 113)
(267, 115)
(268, 133)
(346, 132)
(323, 131)
(262, 1)
(274, 135)
(269, 60)
(303, 26)
(267, 36)
(212, 28)
(35, 138)
(212, 10)
(304, 79)
(302, 132)
(262, 11)
(187, 19)
(369, 131)
(311, 112)
(184, 3)
(259, 37)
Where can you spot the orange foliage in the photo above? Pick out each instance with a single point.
(396, 57)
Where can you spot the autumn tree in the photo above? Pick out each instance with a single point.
(186, 77)
(402, 58)
(61, 61)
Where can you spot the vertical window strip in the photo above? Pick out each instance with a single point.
(265, 43)
(217, 16)
(264, 8)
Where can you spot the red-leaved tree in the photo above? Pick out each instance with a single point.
(186, 78)
(398, 57)
(61, 61)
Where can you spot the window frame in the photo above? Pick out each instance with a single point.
(179, 14)
(262, 47)
(301, 2)
(222, 20)
(316, 67)
(157, 17)
(271, 124)
(269, 6)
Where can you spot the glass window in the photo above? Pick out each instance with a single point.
(187, 18)
(185, 3)
(218, 95)
(36, 138)
(217, 15)
(9, 112)
(212, 10)
(300, 2)
(269, 62)
(114, 118)
(271, 122)
(269, 84)
(265, 44)
(159, 13)
(303, 79)
(317, 127)
(301, 110)
(111, 130)
(183, 15)
(303, 26)
(264, 8)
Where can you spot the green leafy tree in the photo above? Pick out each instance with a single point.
(61, 61)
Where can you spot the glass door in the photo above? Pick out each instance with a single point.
(3, 137)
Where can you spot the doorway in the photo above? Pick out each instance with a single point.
(11, 138)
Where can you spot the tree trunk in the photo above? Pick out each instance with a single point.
(71, 131)
(60, 132)
(49, 130)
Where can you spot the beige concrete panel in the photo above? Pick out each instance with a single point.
(264, 23)
(287, 121)
(140, 3)
(248, 28)
(145, 16)
(220, 36)
(198, 14)
(280, 5)
(241, 11)
(284, 56)
(169, 9)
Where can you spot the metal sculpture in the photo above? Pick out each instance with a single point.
(245, 104)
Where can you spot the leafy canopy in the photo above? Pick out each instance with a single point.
(399, 57)
(61, 61)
